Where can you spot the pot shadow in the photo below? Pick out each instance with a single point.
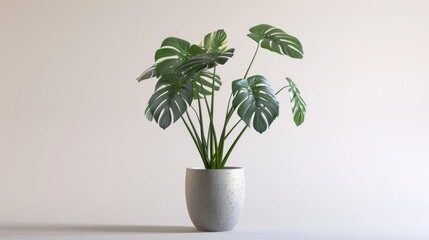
(92, 228)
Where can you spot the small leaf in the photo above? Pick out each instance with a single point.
(276, 40)
(205, 60)
(203, 82)
(148, 113)
(195, 50)
(181, 46)
(149, 73)
(173, 52)
(167, 66)
(256, 102)
(215, 42)
(298, 104)
(211, 51)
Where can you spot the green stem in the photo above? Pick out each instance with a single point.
(232, 146)
(228, 116)
(282, 89)
(250, 65)
(193, 128)
(209, 137)
(216, 153)
(229, 103)
(195, 111)
(230, 131)
(213, 94)
(203, 138)
(195, 141)
(223, 137)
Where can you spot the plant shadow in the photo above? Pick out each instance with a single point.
(93, 228)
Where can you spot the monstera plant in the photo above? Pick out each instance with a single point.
(187, 82)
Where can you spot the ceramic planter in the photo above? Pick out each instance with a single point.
(215, 197)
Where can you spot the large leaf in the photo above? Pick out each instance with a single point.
(203, 82)
(173, 95)
(215, 42)
(173, 52)
(298, 104)
(276, 40)
(256, 102)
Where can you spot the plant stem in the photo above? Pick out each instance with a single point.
(195, 141)
(229, 103)
(203, 138)
(282, 89)
(228, 116)
(232, 146)
(209, 141)
(195, 111)
(193, 128)
(223, 136)
(250, 65)
(235, 125)
(213, 142)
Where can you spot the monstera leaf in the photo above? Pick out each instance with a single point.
(149, 73)
(298, 104)
(181, 70)
(205, 60)
(256, 102)
(148, 113)
(203, 82)
(215, 42)
(173, 52)
(211, 51)
(173, 95)
(178, 56)
(276, 40)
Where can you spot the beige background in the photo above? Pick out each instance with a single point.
(75, 146)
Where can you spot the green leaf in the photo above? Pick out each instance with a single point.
(195, 50)
(276, 40)
(173, 94)
(178, 56)
(215, 42)
(148, 113)
(205, 60)
(211, 51)
(179, 46)
(149, 73)
(173, 52)
(256, 102)
(203, 81)
(298, 104)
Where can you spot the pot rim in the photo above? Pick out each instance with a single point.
(225, 168)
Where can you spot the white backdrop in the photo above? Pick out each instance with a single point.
(75, 146)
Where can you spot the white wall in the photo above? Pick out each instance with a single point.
(75, 146)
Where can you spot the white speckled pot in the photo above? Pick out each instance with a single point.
(215, 197)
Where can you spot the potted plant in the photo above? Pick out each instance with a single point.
(186, 87)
